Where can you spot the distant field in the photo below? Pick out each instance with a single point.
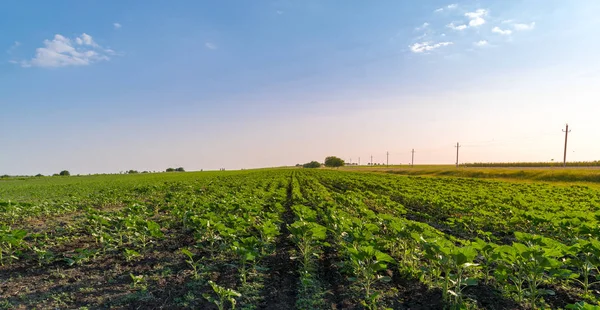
(299, 239)
(549, 174)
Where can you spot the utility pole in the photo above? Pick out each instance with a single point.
(412, 161)
(566, 131)
(387, 160)
(359, 161)
(371, 160)
(457, 146)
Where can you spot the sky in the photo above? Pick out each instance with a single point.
(108, 86)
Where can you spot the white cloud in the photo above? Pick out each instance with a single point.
(507, 21)
(427, 46)
(61, 52)
(503, 32)
(279, 12)
(454, 27)
(86, 39)
(117, 25)
(481, 43)
(425, 25)
(521, 27)
(476, 18)
(13, 47)
(449, 7)
(210, 45)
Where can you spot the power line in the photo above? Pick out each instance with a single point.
(566, 131)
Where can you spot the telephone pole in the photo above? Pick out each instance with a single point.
(457, 146)
(359, 161)
(412, 160)
(387, 160)
(566, 131)
(371, 160)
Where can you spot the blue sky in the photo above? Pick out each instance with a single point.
(95, 86)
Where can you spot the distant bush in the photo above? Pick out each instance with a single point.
(180, 169)
(170, 169)
(312, 164)
(39, 175)
(132, 171)
(64, 173)
(332, 161)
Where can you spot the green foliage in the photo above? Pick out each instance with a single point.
(519, 238)
(367, 265)
(130, 255)
(170, 169)
(582, 306)
(195, 264)
(12, 241)
(312, 164)
(138, 281)
(332, 161)
(64, 173)
(224, 296)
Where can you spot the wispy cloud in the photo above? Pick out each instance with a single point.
(455, 27)
(279, 12)
(425, 25)
(62, 51)
(210, 45)
(504, 32)
(481, 43)
(477, 17)
(448, 7)
(427, 46)
(13, 47)
(117, 25)
(507, 21)
(522, 27)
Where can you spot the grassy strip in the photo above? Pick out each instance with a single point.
(589, 175)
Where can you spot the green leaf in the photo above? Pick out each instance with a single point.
(187, 253)
(471, 281)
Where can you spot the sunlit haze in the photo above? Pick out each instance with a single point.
(103, 87)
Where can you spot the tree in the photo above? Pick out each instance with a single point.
(132, 171)
(39, 175)
(180, 169)
(332, 161)
(312, 164)
(64, 173)
(170, 169)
